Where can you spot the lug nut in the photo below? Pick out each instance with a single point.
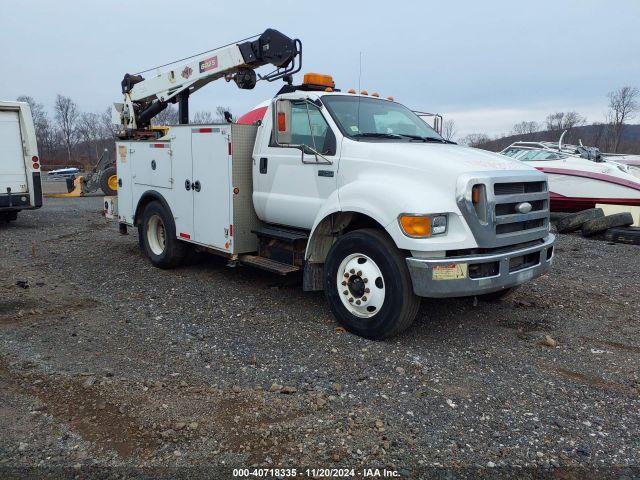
(359, 273)
(364, 299)
(351, 299)
(365, 280)
(346, 292)
(357, 302)
(344, 283)
(346, 275)
(353, 270)
(366, 290)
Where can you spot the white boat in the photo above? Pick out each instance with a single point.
(579, 177)
(64, 172)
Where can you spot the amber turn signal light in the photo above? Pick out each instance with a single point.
(282, 122)
(415, 225)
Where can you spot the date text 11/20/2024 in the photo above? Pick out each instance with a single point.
(315, 472)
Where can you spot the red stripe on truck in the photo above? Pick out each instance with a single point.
(185, 235)
(159, 145)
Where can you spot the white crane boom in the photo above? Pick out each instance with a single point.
(145, 98)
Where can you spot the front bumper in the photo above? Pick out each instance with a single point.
(478, 274)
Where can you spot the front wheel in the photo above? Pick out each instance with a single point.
(368, 286)
(157, 236)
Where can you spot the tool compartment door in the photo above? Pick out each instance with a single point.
(152, 164)
(12, 169)
(124, 159)
(211, 186)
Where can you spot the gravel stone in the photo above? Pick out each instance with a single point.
(177, 342)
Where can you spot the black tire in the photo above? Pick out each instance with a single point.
(574, 221)
(12, 216)
(104, 181)
(169, 253)
(495, 296)
(628, 235)
(400, 305)
(599, 225)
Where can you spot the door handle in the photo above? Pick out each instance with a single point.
(196, 185)
(263, 164)
(187, 184)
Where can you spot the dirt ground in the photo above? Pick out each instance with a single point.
(108, 364)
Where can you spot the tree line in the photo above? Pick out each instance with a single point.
(623, 106)
(70, 137)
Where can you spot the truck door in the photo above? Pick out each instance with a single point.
(291, 187)
(12, 168)
(211, 186)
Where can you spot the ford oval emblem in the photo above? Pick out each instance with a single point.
(523, 207)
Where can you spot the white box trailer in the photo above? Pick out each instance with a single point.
(20, 187)
(209, 196)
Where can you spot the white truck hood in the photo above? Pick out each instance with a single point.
(450, 160)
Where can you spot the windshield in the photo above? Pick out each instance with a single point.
(360, 117)
(530, 155)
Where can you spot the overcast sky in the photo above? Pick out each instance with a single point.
(485, 64)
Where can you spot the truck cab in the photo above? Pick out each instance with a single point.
(355, 191)
(20, 187)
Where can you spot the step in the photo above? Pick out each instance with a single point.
(281, 233)
(268, 264)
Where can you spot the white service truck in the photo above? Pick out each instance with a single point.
(20, 187)
(356, 192)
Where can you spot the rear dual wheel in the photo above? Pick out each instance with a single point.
(368, 286)
(157, 237)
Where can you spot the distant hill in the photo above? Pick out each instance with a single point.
(591, 135)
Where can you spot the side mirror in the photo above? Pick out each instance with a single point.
(282, 122)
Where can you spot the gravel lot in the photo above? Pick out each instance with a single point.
(106, 361)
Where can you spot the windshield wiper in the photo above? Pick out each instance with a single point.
(425, 139)
(401, 135)
(376, 135)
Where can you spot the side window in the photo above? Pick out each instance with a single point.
(309, 128)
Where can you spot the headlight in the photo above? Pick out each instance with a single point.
(422, 226)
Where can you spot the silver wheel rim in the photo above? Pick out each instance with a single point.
(361, 286)
(156, 235)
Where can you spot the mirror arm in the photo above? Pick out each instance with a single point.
(316, 153)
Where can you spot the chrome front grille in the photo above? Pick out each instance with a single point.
(508, 220)
(505, 191)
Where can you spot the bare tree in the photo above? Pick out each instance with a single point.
(202, 118)
(220, 117)
(67, 119)
(475, 139)
(448, 129)
(524, 128)
(623, 105)
(91, 132)
(40, 122)
(168, 116)
(107, 126)
(564, 121)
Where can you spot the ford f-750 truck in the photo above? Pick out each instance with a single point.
(355, 191)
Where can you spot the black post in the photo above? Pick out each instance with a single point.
(183, 108)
